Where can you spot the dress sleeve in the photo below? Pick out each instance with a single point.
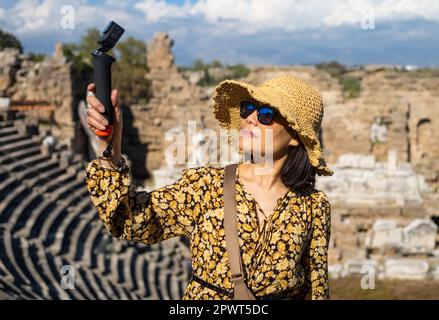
(316, 256)
(147, 217)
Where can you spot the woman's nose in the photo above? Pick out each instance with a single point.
(253, 118)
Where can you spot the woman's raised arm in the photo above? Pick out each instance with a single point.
(148, 217)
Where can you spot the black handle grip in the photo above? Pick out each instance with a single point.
(102, 78)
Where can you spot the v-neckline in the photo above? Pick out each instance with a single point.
(256, 204)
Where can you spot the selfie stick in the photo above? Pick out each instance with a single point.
(102, 74)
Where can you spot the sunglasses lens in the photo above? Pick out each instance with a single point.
(266, 115)
(247, 108)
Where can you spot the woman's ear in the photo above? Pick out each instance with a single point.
(294, 139)
(294, 142)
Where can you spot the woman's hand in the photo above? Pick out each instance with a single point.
(96, 121)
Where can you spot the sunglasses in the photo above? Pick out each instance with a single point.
(265, 114)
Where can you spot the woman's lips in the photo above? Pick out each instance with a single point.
(247, 133)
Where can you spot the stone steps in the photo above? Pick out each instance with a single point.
(32, 269)
(8, 123)
(9, 202)
(47, 221)
(9, 139)
(69, 221)
(80, 233)
(4, 132)
(26, 162)
(22, 191)
(8, 256)
(23, 207)
(29, 172)
(22, 292)
(6, 158)
(19, 145)
(90, 243)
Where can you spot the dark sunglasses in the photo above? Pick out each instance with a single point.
(265, 114)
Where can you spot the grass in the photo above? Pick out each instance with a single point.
(350, 289)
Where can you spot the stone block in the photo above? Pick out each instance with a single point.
(335, 271)
(358, 267)
(406, 268)
(385, 234)
(420, 236)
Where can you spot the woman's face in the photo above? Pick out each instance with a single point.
(263, 140)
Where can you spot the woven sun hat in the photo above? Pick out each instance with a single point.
(298, 102)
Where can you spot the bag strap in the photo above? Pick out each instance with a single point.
(241, 291)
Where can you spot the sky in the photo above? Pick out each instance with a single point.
(267, 32)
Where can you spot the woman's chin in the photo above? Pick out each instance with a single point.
(246, 143)
(245, 150)
(250, 151)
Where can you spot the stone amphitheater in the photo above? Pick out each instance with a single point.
(47, 222)
(384, 193)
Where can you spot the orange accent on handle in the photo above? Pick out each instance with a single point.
(104, 133)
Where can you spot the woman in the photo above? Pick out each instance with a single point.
(283, 222)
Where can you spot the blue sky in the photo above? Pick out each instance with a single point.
(280, 32)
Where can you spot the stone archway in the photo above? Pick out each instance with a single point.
(423, 138)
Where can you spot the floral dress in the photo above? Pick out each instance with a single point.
(285, 258)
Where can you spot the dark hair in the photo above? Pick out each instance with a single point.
(297, 172)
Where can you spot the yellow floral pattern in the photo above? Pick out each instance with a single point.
(287, 258)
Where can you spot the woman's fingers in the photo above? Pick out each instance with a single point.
(93, 124)
(115, 98)
(91, 87)
(97, 117)
(94, 103)
(116, 104)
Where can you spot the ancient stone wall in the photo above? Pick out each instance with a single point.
(173, 103)
(9, 65)
(51, 81)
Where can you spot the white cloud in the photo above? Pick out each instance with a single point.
(353, 11)
(29, 17)
(156, 10)
(238, 30)
(251, 16)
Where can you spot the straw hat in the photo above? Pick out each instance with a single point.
(298, 102)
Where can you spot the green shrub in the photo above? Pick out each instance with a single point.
(350, 85)
(8, 40)
(237, 71)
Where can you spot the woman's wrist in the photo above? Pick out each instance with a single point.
(108, 163)
(116, 153)
(114, 163)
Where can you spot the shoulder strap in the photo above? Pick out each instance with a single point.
(241, 291)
